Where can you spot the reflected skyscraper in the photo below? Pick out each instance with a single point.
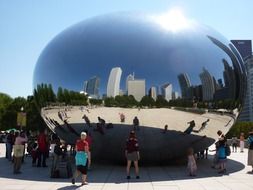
(175, 95)
(136, 88)
(113, 84)
(185, 84)
(240, 79)
(129, 77)
(229, 79)
(208, 88)
(166, 91)
(153, 92)
(91, 87)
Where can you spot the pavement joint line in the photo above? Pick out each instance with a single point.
(150, 178)
(107, 178)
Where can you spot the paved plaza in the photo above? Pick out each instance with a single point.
(103, 177)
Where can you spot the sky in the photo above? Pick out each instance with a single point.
(26, 26)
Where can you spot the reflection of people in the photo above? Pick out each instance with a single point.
(132, 154)
(203, 125)
(234, 143)
(87, 120)
(71, 129)
(101, 121)
(242, 142)
(165, 128)
(250, 152)
(190, 128)
(122, 117)
(192, 166)
(136, 123)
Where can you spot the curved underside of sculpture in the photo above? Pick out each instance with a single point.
(157, 146)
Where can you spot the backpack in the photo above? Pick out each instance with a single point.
(227, 150)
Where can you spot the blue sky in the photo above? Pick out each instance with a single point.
(26, 26)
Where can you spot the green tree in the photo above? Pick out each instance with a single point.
(60, 96)
(161, 102)
(9, 117)
(5, 101)
(240, 127)
(147, 101)
(96, 101)
(66, 96)
(110, 102)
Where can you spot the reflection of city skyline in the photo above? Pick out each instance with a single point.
(230, 86)
(133, 86)
(209, 89)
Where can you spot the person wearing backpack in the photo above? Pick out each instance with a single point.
(250, 152)
(222, 155)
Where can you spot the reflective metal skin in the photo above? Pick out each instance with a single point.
(200, 64)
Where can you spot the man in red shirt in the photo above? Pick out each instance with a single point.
(42, 148)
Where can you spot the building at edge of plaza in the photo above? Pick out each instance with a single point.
(245, 49)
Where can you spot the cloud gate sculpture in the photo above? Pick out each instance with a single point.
(191, 75)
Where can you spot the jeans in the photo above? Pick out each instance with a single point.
(42, 155)
(9, 151)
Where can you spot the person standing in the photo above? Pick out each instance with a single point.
(82, 159)
(42, 149)
(136, 123)
(222, 158)
(192, 166)
(242, 139)
(234, 143)
(132, 154)
(10, 139)
(250, 151)
(19, 148)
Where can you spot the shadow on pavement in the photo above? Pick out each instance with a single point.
(116, 174)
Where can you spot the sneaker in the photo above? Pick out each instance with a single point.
(137, 177)
(73, 181)
(128, 177)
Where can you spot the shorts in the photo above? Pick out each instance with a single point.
(82, 169)
(222, 160)
(133, 156)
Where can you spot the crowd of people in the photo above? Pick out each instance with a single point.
(15, 148)
(39, 147)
